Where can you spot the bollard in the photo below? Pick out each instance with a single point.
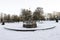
(57, 20)
(3, 23)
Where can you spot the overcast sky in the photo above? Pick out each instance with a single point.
(15, 6)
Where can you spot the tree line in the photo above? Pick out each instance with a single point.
(28, 15)
(53, 16)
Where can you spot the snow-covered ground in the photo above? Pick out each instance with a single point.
(51, 34)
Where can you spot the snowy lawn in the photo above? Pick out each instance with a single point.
(52, 34)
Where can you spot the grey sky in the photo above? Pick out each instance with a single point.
(15, 6)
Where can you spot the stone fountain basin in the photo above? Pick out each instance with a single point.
(19, 27)
(28, 29)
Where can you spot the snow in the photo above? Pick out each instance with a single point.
(51, 34)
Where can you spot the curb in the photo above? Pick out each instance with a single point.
(34, 29)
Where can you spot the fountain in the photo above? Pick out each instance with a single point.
(29, 24)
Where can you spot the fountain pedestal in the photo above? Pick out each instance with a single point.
(29, 24)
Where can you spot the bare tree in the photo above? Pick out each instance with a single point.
(26, 14)
(38, 14)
